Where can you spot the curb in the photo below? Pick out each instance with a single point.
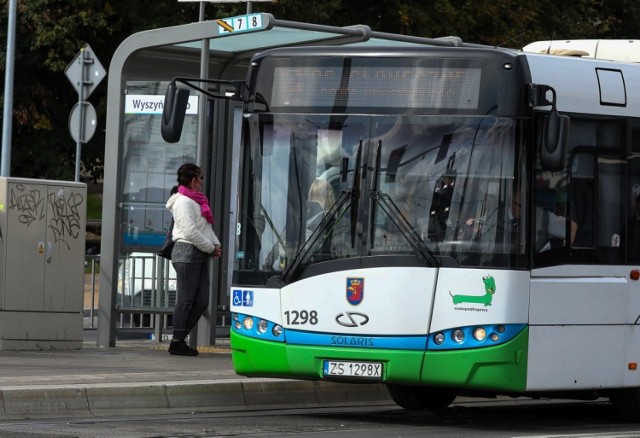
(95, 400)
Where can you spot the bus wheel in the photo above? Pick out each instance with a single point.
(422, 397)
(627, 401)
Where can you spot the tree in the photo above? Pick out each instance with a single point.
(51, 32)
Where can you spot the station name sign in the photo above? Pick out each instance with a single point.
(153, 104)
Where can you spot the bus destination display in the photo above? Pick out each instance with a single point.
(376, 86)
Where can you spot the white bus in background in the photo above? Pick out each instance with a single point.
(141, 289)
(611, 50)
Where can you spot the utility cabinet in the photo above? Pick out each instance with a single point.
(42, 246)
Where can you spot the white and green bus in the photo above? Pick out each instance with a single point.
(442, 220)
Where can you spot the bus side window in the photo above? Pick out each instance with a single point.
(630, 238)
(611, 166)
(610, 206)
(552, 213)
(583, 169)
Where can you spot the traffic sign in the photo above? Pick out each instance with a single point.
(83, 122)
(85, 71)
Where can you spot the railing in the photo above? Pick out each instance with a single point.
(142, 301)
(145, 298)
(91, 273)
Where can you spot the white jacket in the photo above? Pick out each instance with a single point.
(189, 225)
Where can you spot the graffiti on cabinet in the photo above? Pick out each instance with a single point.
(62, 209)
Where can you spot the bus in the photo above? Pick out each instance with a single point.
(441, 220)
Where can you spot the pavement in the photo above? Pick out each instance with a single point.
(139, 377)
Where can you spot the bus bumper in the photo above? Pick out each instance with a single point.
(502, 367)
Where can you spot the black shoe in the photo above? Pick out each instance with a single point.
(181, 348)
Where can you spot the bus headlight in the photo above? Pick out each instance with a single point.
(237, 325)
(262, 326)
(277, 330)
(473, 336)
(247, 323)
(479, 334)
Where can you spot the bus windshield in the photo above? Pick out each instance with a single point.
(325, 188)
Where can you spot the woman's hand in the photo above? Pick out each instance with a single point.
(217, 251)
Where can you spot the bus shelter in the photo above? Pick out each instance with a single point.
(140, 167)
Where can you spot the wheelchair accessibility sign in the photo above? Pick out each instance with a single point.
(243, 298)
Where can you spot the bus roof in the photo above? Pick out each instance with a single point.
(588, 85)
(612, 50)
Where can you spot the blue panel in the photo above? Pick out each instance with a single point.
(295, 337)
(144, 239)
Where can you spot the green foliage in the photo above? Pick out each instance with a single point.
(94, 206)
(51, 32)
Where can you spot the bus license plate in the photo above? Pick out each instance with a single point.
(367, 370)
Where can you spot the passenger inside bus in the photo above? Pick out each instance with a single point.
(550, 228)
(551, 213)
(321, 199)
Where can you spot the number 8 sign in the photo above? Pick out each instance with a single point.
(242, 23)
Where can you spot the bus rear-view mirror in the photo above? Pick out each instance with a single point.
(173, 113)
(554, 141)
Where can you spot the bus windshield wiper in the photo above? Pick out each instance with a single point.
(355, 188)
(373, 212)
(322, 231)
(400, 221)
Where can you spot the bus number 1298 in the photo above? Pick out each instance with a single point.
(302, 317)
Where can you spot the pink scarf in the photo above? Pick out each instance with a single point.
(201, 199)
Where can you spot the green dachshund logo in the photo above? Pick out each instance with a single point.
(489, 289)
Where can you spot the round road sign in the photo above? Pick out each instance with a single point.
(87, 125)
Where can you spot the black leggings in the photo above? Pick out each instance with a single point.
(192, 297)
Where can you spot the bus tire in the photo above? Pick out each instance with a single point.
(627, 402)
(421, 397)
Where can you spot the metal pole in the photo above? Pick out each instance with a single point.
(7, 116)
(93, 289)
(248, 8)
(201, 155)
(83, 79)
(202, 101)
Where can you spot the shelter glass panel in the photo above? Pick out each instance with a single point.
(149, 165)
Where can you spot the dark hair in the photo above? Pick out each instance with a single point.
(186, 173)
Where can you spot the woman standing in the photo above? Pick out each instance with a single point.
(195, 242)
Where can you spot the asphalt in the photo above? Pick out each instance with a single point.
(139, 377)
